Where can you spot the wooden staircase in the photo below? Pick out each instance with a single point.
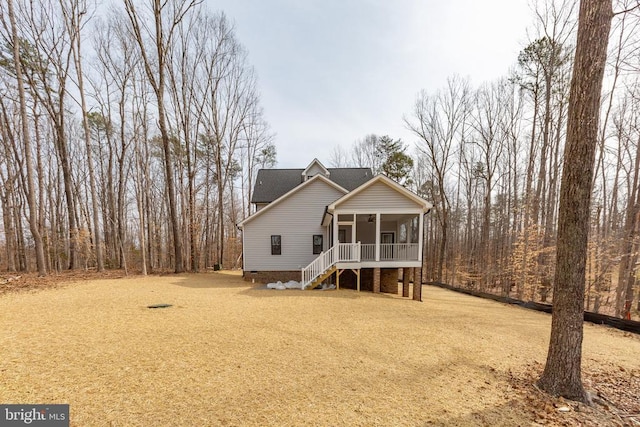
(321, 278)
(325, 265)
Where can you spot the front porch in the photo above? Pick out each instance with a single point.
(354, 257)
(382, 239)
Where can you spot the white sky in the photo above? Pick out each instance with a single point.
(332, 71)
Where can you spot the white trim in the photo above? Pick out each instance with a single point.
(335, 230)
(315, 161)
(243, 255)
(420, 236)
(381, 264)
(290, 193)
(391, 184)
(374, 210)
(378, 237)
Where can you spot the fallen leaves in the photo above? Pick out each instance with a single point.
(614, 394)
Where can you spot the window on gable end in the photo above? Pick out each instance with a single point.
(276, 244)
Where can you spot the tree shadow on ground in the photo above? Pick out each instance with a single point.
(210, 279)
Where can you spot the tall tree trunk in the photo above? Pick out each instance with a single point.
(630, 276)
(19, 230)
(443, 246)
(168, 169)
(221, 236)
(120, 215)
(63, 152)
(562, 373)
(26, 140)
(155, 69)
(7, 211)
(76, 46)
(627, 256)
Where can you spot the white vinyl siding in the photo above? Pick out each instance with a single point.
(296, 218)
(378, 195)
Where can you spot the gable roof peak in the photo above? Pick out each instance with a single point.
(380, 178)
(317, 165)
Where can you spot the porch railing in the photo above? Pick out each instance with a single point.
(391, 252)
(341, 252)
(368, 252)
(348, 252)
(356, 252)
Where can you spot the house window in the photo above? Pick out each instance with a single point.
(276, 244)
(317, 244)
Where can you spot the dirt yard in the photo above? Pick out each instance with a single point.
(230, 354)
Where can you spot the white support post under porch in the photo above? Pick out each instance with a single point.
(353, 229)
(420, 236)
(335, 229)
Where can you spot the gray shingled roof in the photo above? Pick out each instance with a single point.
(273, 183)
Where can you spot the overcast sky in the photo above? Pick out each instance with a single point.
(332, 71)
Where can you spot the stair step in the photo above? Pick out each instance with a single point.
(318, 280)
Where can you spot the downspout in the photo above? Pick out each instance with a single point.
(329, 226)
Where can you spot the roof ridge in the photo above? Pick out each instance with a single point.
(281, 169)
(272, 183)
(301, 169)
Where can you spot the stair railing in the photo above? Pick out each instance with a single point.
(340, 252)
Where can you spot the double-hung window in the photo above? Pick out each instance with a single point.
(317, 244)
(276, 244)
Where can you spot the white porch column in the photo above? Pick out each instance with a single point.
(420, 235)
(377, 237)
(335, 228)
(353, 229)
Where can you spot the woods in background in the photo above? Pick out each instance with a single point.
(129, 140)
(490, 159)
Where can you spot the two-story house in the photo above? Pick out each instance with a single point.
(318, 222)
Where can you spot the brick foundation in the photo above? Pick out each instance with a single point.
(376, 280)
(389, 280)
(406, 279)
(371, 279)
(417, 284)
(272, 276)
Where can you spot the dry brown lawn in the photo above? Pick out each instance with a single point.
(227, 353)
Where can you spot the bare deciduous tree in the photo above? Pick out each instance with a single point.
(439, 122)
(165, 19)
(30, 188)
